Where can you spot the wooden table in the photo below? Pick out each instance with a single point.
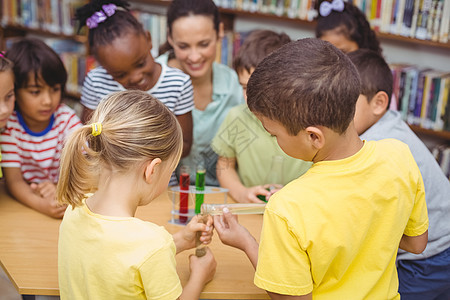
(28, 251)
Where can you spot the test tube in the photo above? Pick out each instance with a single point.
(200, 247)
(235, 208)
(184, 193)
(199, 187)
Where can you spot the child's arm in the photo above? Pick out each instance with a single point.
(229, 178)
(233, 234)
(414, 244)
(185, 121)
(22, 192)
(202, 271)
(185, 238)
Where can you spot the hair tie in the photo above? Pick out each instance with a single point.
(100, 16)
(326, 7)
(96, 128)
(2, 54)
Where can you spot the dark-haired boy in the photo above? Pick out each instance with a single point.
(334, 232)
(241, 142)
(425, 275)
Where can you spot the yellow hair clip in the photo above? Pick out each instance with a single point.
(96, 128)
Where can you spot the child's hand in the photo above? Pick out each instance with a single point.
(232, 233)
(250, 195)
(273, 188)
(48, 205)
(185, 238)
(203, 268)
(51, 208)
(46, 189)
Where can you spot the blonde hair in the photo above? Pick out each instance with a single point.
(136, 127)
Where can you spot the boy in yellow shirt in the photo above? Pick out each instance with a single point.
(334, 232)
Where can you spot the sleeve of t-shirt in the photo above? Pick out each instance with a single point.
(185, 103)
(89, 97)
(418, 220)
(10, 150)
(159, 275)
(222, 143)
(283, 265)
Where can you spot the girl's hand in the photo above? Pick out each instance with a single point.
(185, 238)
(203, 268)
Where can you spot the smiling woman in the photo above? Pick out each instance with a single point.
(122, 47)
(194, 30)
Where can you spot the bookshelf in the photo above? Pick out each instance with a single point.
(235, 20)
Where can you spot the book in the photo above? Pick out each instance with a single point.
(445, 22)
(407, 18)
(417, 4)
(441, 103)
(422, 19)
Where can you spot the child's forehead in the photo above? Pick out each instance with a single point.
(35, 79)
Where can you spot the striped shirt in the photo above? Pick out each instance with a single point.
(37, 154)
(174, 89)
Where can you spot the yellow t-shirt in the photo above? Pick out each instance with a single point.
(335, 231)
(102, 257)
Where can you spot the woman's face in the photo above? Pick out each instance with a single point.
(194, 41)
(340, 41)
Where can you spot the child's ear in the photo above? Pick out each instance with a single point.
(316, 137)
(150, 169)
(221, 32)
(379, 103)
(148, 36)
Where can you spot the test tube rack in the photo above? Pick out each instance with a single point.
(175, 192)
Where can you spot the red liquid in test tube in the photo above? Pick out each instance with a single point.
(184, 196)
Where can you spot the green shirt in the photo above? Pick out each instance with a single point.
(242, 136)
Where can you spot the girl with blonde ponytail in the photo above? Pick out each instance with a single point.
(123, 159)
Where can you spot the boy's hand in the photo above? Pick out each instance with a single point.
(185, 238)
(250, 195)
(203, 268)
(273, 188)
(232, 233)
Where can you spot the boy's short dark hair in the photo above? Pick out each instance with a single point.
(256, 46)
(375, 74)
(308, 82)
(33, 56)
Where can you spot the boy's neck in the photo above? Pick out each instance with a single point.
(339, 146)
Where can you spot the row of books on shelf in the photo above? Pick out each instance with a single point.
(422, 96)
(55, 16)
(420, 19)
(75, 60)
(442, 155)
(155, 24)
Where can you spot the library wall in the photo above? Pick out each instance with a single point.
(394, 51)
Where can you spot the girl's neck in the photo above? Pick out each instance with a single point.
(116, 196)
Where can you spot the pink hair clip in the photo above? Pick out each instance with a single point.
(2, 54)
(100, 16)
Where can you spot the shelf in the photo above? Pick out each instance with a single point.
(437, 134)
(310, 24)
(393, 37)
(15, 30)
